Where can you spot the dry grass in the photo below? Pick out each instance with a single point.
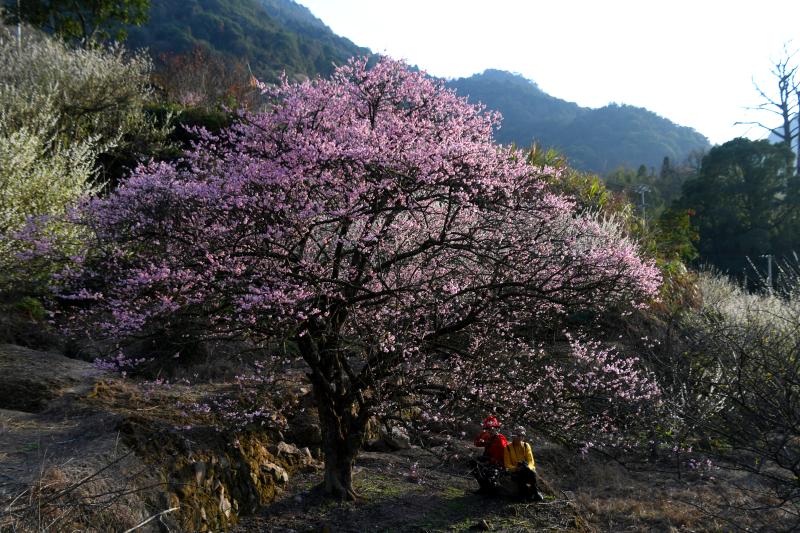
(612, 498)
(84, 496)
(10, 422)
(23, 422)
(621, 509)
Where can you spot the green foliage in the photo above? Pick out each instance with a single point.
(32, 308)
(88, 21)
(185, 121)
(651, 192)
(597, 140)
(60, 110)
(675, 236)
(38, 177)
(77, 95)
(744, 203)
(669, 238)
(272, 36)
(586, 188)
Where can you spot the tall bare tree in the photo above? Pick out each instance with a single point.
(785, 71)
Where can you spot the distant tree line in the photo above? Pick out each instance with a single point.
(735, 208)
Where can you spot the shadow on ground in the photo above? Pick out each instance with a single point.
(390, 501)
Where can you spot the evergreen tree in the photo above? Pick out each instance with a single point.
(742, 200)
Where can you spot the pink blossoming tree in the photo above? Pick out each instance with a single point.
(371, 220)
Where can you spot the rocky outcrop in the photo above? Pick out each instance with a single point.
(303, 429)
(389, 439)
(214, 478)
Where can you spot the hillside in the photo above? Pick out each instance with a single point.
(89, 450)
(271, 35)
(597, 140)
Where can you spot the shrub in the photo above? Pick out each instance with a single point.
(60, 110)
(731, 373)
(73, 96)
(39, 177)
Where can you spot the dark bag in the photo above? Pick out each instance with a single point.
(487, 474)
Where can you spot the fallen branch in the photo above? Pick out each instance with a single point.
(134, 528)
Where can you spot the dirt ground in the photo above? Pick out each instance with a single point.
(440, 498)
(592, 494)
(65, 430)
(62, 465)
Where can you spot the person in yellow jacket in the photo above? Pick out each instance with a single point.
(519, 462)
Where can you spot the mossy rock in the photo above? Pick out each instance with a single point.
(212, 477)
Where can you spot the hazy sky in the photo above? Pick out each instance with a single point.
(689, 61)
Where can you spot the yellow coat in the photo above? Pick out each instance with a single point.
(514, 454)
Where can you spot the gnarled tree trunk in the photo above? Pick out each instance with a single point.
(342, 436)
(343, 414)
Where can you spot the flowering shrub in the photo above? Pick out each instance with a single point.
(73, 95)
(729, 368)
(38, 178)
(119, 363)
(60, 109)
(587, 395)
(370, 220)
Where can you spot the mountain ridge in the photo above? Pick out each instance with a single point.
(277, 36)
(271, 36)
(595, 139)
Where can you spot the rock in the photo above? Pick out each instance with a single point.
(305, 451)
(304, 429)
(377, 445)
(373, 430)
(200, 470)
(292, 455)
(397, 438)
(286, 449)
(437, 426)
(224, 504)
(439, 440)
(392, 439)
(278, 473)
(214, 483)
(469, 429)
(30, 380)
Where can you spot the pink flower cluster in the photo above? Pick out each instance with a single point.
(371, 220)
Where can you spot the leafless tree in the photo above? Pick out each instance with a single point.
(785, 72)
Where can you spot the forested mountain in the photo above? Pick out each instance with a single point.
(270, 35)
(599, 140)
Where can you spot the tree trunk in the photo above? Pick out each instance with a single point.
(343, 414)
(339, 460)
(342, 436)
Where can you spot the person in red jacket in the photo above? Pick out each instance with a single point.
(489, 466)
